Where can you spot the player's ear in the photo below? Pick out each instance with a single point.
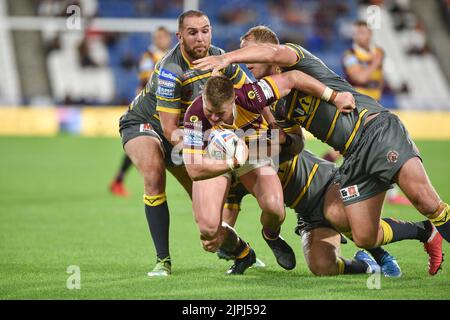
(178, 34)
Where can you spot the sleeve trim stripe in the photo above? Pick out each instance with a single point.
(168, 110)
(236, 73)
(296, 49)
(196, 78)
(274, 87)
(241, 82)
(168, 99)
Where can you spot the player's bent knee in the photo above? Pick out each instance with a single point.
(323, 267)
(365, 242)
(153, 183)
(273, 204)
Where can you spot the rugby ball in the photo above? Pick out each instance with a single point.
(222, 144)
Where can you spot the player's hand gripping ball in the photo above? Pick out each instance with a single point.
(224, 144)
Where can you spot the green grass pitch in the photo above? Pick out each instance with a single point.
(55, 211)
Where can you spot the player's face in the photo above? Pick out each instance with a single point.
(259, 70)
(162, 40)
(362, 36)
(195, 37)
(217, 116)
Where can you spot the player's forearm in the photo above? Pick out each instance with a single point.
(307, 84)
(268, 116)
(202, 168)
(169, 124)
(260, 53)
(173, 134)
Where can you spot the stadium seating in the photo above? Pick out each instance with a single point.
(413, 80)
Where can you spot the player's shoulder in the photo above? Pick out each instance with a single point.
(194, 117)
(195, 110)
(301, 51)
(254, 96)
(172, 62)
(248, 91)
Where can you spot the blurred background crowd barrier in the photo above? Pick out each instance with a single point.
(71, 66)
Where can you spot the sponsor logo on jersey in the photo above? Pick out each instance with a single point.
(165, 92)
(189, 74)
(251, 94)
(350, 192)
(145, 127)
(255, 93)
(193, 118)
(167, 75)
(266, 89)
(166, 83)
(193, 138)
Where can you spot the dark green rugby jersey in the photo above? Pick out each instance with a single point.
(305, 180)
(172, 88)
(322, 119)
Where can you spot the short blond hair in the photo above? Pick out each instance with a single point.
(261, 34)
(218, 90)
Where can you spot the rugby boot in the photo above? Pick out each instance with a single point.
(221, 254)
(390, 267)
(117, 188)
(283, 252)
(241, 264)
(433, 247)
(162, 268)
(372, 265)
